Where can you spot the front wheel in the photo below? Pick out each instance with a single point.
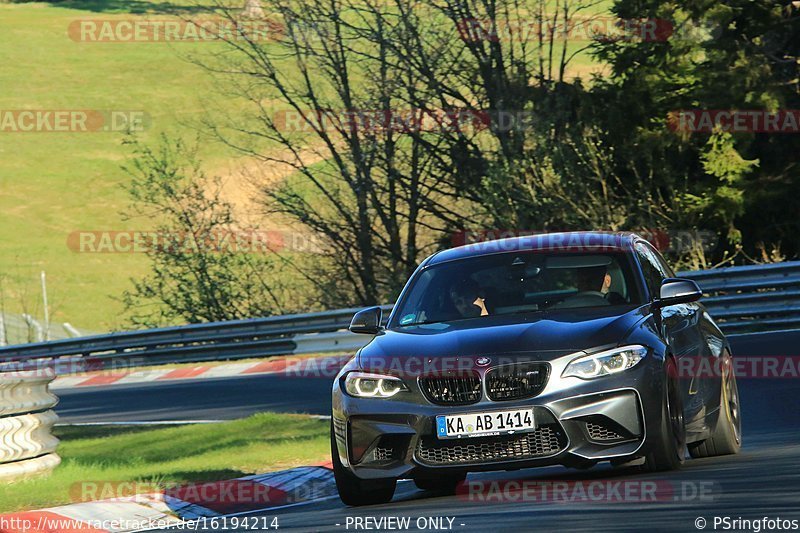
(357, 492)
(669, 450)
(727, 436)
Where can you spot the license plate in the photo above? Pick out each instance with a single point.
(484, 424)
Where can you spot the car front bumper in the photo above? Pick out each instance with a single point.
(578, 422)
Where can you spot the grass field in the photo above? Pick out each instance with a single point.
(54, 184)
(171, 455)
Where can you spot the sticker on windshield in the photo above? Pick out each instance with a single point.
(407, 319)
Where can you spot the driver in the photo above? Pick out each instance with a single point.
(593, 281)
(468, 299)
(593, 284)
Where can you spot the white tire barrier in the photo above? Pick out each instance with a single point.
(27, 445)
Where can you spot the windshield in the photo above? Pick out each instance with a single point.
(510, 283)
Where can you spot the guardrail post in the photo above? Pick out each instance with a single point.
(27, 446)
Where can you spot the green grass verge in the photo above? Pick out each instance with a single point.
(53, 184)
(175, 454)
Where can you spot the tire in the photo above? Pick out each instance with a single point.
(442, 484)
(356, 492)
(727, 436)
(669, 450)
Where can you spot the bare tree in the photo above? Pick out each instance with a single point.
(535, 161)
(365, 175)
(331, 94)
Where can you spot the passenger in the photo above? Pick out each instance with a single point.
(468, 299)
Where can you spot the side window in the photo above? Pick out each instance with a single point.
(651, 269)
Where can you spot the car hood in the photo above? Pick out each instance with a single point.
(544, 335)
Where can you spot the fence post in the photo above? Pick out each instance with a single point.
(27, 446)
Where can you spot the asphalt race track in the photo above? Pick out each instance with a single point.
(762, 481)
(207, 399)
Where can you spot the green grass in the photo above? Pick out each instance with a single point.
(52, 184)
(179, 454)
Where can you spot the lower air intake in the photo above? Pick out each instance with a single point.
(601, 433)
(544, 441)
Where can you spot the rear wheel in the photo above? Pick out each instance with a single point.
(443, 484)
(354, 491)
(727, 436)
(669, 450)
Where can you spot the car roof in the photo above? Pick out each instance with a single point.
(566, 242)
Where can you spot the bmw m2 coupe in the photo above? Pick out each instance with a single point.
(566, 349)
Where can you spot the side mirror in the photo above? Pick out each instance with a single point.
(367, 321)
(678, 291)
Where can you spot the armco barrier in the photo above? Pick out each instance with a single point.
(752, 298)
(27, 446)
(741, 299)
(213, 341)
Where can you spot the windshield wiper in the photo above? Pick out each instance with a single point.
(523, 312)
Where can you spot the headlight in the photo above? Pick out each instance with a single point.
(605, 363)
(365, 385)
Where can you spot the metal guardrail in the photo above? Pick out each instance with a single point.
(233, 339)
(752, 298)
(742, 299)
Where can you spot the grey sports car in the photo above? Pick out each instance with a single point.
(563, 349)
